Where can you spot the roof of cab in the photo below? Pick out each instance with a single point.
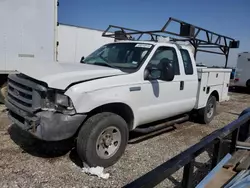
(137, 41)
(152, 42)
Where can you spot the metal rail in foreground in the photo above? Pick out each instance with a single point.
(186, 159)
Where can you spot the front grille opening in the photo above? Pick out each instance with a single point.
(19, 101)
(17, 117)
(20, 85)
(25, 95)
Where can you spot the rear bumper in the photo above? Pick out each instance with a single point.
(46, 125)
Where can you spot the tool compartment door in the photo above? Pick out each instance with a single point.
(212, 80)
(215, 78)
(224, 96)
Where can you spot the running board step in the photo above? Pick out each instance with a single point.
(161, 126)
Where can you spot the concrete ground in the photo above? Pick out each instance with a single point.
(28, 162)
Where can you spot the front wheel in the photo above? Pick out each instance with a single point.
(102, 139)
(207, 113)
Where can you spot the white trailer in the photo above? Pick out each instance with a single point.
(242, 76)
(82, 42)
(29, 32)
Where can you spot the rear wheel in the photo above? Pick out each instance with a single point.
(207, 114)
(244, 131)
(102, 139)
(248, 84)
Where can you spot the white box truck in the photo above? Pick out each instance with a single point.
(82, 42)
(117, 89)
(242, 74)
(29, 32)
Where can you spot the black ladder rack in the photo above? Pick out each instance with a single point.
(188, 32)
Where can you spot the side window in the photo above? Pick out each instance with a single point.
(188, 67)
(165, 53)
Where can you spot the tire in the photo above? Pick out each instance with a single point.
(95, 137)
(248, 84)
(3, 92)
(244, 131)
(207, 114)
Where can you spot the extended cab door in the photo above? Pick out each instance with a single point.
(163, 99)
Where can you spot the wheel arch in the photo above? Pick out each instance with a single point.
(215, 93)
(119, 108)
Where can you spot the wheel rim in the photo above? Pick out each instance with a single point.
(108, 142)
(210, 110)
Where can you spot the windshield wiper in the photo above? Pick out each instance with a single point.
(105, 64)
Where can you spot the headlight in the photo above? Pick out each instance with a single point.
(57, 102)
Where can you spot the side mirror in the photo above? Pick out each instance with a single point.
(167, 68)
(82, 59)
(152, 74)
(163, 71)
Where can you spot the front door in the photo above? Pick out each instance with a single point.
(163, 99)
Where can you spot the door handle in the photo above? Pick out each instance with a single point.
(181, 85)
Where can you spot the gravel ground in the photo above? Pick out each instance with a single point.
(27, 162)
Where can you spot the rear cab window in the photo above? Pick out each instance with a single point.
(187, 62)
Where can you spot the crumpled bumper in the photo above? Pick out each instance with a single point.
(46, 125)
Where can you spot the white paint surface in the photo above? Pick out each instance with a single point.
(243, 69)
(75, 42)
(27, 32)
(212, 80)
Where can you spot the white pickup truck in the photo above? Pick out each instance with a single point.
(117, 88)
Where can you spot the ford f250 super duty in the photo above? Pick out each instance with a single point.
(114, 90)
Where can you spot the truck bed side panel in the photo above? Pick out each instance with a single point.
(201, 92)
(224, 96)
(210, 81)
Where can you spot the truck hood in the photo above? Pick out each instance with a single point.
(61, 75)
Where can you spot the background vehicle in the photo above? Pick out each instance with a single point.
(82, 42)
(31, 34)
(116, 89)
(242, 76)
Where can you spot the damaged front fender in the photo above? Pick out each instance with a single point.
(46, 125)
(56, 126)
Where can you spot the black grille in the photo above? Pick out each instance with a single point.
(21, 92)
(17, 117)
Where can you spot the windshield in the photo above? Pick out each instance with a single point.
(124, 56)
